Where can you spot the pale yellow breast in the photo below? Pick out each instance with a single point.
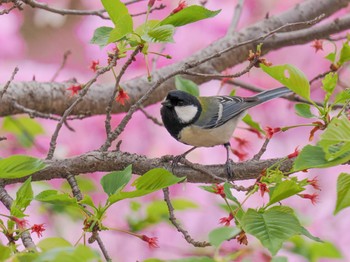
(195, 136)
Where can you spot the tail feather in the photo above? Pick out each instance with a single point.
(270, 94)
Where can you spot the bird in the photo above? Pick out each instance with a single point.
(207, 121)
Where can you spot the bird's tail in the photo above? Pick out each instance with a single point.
(270, 94)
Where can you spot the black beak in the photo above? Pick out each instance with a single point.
(166, 103)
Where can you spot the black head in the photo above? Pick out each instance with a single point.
(179, 109)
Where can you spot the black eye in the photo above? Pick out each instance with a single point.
(180, 103)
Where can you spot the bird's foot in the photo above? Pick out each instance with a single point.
(228, 165)
(176, 161)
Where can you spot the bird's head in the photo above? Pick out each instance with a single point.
(179, 109)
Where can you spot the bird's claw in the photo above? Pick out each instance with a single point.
(228, 165)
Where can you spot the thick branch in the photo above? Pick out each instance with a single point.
(110, 161)
(52, 97)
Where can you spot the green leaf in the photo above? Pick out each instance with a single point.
(228, 193)
(291, 77)
(253, 124)
(53, 242)
(87, 200)
(344, 54)
(284, 190)
(272, 227)
(24, 196)
(153, 180)
(156, 179)
(314, 157)
(18, 166)
(25, 129)
(342, 96)
(186, 85)
(147, 26)
(329, 82)
(117, 180)
(335, 140)
(279, 259)
(194, 259)
(306, 233)
(101, 36)
(221, 234)
(121, 18)
(331, 57)
(5, 253)
(303, 110)
(160, 34)
(53, 197)
(189, 15)
(343, 192)
(323, 250)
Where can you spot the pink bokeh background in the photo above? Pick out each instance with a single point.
(35, 40)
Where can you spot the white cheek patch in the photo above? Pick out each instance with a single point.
(186, 113)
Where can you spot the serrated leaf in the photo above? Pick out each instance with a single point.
(186, 85)
(18, 166)
(221, 234)
(291, 77)
(160, 34)
(344, 54)
(303, 110)
(272, 227)
(189, 15)
(335, 140)
(250, 122)
(101, 36)
(115, 181)
(284, 190)
(314, 157)
(153, 180)
(53, 197)
(121, 18)
(343, 192)
(24, 196)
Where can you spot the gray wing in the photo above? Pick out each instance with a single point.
(222, 110)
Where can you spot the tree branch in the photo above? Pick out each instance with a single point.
(117, 160)
(51, 97)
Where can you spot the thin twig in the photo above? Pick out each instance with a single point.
(16, 4)
(262, 150)
(117, 81)
(322, 75)
(236, 16)
(162, 6)
(2, 138)
(102, 246)
(6, 86)
(172, 219)
(7, 200)
(153, 119)
(33, 113)
(65, 57)
(236, 75)
(76, 102)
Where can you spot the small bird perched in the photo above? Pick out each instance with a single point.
(209, 121)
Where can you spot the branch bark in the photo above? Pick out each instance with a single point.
(116, 160)
(53, 97)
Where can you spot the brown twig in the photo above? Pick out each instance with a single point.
(262, 150)
(162, 6)
(65, 57)
(77, 101)
(173, 220)
(117, 81)
(152, 118)
(9, 82)
(2, 138)
(16, 4)
(236, 16)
